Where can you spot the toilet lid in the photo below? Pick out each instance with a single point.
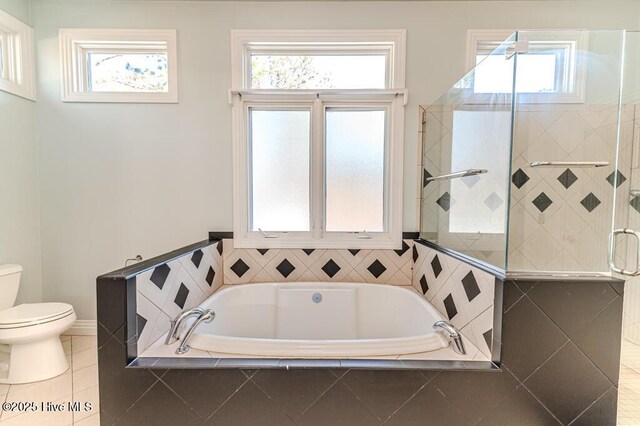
(33, 313)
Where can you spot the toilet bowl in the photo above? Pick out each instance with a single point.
(31, 333)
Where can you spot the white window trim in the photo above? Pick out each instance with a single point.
(578, 69)
(74, 43)
(393, 99)
(18, 58)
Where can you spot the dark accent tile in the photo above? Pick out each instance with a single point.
(204, 390)
(444, 201)
(338, 407)
(618, 287)
(239, 268)
(141, 322)
(111, 295)
(285, 268)
(425, 175)
(487, 337)
(590, 202)
(450, 307)
(429, 407)
(493, 202)
(181, 296)
(376, 268)
(263, 251)
(196, 258)
(567, 383)
(294, 390)
(571, 304)
(119, 387)
(354, 251)
(424, 285)
(248, 405)
(403, 250)
(542, 202)
(512, 294)
(384, 391)
(600, 341)
(249, 372)
(414, 254)
(220, 235)
(475, 392)
(211, 274)
(219, 247)
(308, 251)
(470, 286)
(567, 178)
(519, 408)
(159, 275)
(635, 203)
(410, 235)
(331, 268)
(530, 338)
(525, 285)
(519, 178)
(602, 413)
(145, 411)
(620, 178)
(436, 266)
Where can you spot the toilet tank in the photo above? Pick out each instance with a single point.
(9, 284)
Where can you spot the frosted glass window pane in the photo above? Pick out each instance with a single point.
(536, 74)
(280, 175)
(355, 151)
(318, 72)
(128, 72)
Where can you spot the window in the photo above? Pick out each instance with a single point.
(552, 70)
(17, 66)
(318, 128)
(118, 65)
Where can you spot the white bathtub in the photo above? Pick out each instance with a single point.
(288, 320)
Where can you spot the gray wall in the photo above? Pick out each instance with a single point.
(19, 215)
(118, 180)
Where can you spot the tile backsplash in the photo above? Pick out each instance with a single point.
(168, 289)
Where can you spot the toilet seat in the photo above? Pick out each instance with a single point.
(30, 314)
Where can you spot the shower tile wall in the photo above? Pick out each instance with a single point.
(242, 266)
(462, 293)
(560, 218)
(165, 291)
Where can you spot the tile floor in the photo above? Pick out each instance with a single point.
(629, 391)
(78, 384)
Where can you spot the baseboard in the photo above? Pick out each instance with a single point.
(83, 328)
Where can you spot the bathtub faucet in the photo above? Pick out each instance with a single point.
(454, 334)
(208, 316)
(172, 336)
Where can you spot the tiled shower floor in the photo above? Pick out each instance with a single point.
(629, 391)
(79, 383)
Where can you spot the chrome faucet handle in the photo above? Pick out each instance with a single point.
(454, 334)
(172, 335)
(207, 317)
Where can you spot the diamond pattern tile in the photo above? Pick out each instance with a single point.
(436, 266)
(424, 285)
(620, 178)
(211, 274)
(493, 201)
(470, 286)
(263, 251)
(376, 268)
(308, 251)
(331, 268)
(239, 268)
(354, 251)
(590, 202)
(196, 258)
(542, 202)
(450, 306)
(160, 274)
(285, 268)
(519, 178)
(403, 250)
(444, 201)
(635, 203)
(425, 175)
(567, 178)
(181, 296)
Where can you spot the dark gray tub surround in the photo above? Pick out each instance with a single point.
(559, 364)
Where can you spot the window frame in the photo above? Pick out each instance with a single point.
(392, 99)
(76, 43)
(18, 74)
(573, 73)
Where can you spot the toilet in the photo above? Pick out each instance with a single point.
(30, 347)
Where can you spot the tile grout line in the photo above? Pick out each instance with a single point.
(227, 400)
(591, 405)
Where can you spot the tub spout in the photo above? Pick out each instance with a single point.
(172, 336)
(454, 334)
(208, 316)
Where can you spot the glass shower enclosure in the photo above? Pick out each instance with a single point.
(527, 161)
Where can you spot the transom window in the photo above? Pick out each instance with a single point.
(17, 64)
(318, 125)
